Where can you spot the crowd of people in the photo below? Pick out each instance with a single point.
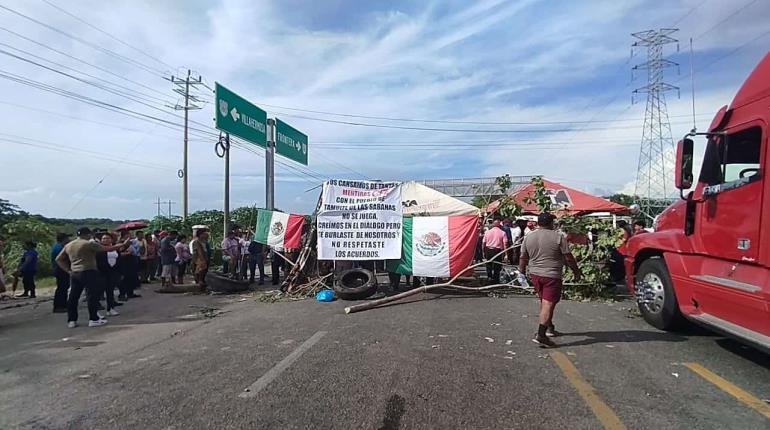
(242, 257)
(99, 262)
(494, 244)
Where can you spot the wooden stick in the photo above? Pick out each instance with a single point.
(309, 284)
(426, 288)
(285, 259)
(423, 289)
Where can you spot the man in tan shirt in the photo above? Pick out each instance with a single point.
(78, 258)
(545, 251)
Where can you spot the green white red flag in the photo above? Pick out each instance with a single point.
(278, 229)
(436, 246)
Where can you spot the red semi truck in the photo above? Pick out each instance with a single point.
(708, 260)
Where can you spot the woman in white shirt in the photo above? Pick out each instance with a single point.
(107, 264)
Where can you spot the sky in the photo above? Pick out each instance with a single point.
(445, 66)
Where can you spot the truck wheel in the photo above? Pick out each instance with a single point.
(655, 295)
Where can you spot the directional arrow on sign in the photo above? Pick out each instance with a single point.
(234, 113)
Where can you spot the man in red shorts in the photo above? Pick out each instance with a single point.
(545, 251)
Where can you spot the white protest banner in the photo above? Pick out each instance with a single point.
(360, 220)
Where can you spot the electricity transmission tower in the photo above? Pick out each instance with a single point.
(183, 88)
(654, 177)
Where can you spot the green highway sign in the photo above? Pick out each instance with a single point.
(290, 142)
(235, 115)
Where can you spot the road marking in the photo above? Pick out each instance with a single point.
(603, 413)
(282, 365)
(731, 389)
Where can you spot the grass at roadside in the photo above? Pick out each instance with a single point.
(44, 286)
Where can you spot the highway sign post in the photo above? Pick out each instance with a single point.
(290, 142)
(239, 117)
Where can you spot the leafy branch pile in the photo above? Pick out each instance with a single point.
(592, 257)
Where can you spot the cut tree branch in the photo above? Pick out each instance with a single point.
(425, 288)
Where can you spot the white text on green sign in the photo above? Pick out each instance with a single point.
(239, 117)
(290, 142)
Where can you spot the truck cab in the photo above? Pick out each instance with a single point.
(708, 260)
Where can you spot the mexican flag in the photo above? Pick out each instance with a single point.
(278, 229)
(436, 246)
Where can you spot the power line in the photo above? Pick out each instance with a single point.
(355, 172)
(456, 130)
(95, 102)
(76, 118)
(722, 57)
(146, 97)
(249, 148)
(50, 88)
(111, 36)
(85, 81)
(259, 152)
(470, 148)
(688, 13)
(459, 142)
(81, 61)
(109, 52)
(73, 151)
(737, 11)
(106, 175)
(441, 121)
(622, 90)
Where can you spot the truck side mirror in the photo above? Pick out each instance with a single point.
(684, 155)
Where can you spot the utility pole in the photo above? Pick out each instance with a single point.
(654, 176)
(169, 208)
(270, 166)
(227, 183)
(183, 89)
(158, 204)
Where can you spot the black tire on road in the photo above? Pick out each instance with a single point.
(222, 284)
(664, 314)
(355, 284)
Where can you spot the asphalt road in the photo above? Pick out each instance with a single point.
(436, 362)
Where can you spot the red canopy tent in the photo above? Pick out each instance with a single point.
(563, 200)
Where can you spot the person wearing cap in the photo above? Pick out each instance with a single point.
(168, 259)
(494, 242)
(544, 252)
(62, 278)
(78, 259)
